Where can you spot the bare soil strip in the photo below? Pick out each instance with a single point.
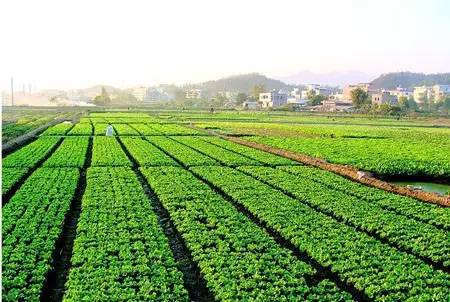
(348, 172)
(54, 286)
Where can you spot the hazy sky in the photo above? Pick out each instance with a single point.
(79, 43)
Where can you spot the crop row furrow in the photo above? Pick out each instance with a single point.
(220, 154)
(380, 271)
(181, 152)
(421, 211)
(81, 129)
(255, 154)
(120, 252)
(145, 153)
(237, 258)
(58, 129)
(71, 153)
(32, 222)
(108, 152)
(418, 238)
(30, 155)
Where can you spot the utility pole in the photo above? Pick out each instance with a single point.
(12, 91)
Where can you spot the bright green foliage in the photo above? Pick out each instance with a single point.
(146, 129)
(408, 207)
(10, 176)
(120, 114)
(145, 153)
(71, 153)
(32, 222)
(258, 155)
(421, 238)
(384, 156)
(124, 129)
(174, 129)
(81, 129)
(380, 271)
(220, 154)
(186, 155)
(100, 128)
(31, 154)
(84, 120)
(17, 123)
(59, 129)
(107, 151)
(228, 246)
(120, 252)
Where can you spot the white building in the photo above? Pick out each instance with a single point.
(440, 91)
(139, 93)
(318, 89)
(399, 91)
(194, 94)
(157, 95)
(272, 99)
(422, 93)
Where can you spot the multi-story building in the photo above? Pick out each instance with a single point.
(139, 93)
(194, 94)
(272, 99)
(384, 97)
(399, 91)
(422, 93)
(440, 91)
(157, 94)
(318, 89)
(347, 91)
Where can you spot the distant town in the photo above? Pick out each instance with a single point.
(260, 95)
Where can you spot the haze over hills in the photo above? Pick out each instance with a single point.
(241, 83)
(409, 79)
(337, 78)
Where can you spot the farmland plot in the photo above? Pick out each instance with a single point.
(167, 213)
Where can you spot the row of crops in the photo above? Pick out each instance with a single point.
(15, 124)
(136, 129)
(254, 225)
(386, 151)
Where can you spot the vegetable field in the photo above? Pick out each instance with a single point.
(163, 211)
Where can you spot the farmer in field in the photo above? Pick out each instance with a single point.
(109, 131)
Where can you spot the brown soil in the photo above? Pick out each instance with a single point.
(348, 172)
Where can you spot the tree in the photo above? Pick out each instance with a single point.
(313, 98)
(425, 104)
(359, 97)
(446, 105)
(412, 105)
(103, 99)
(403, 103)
(256, 90)
(241, 98)
(124, 97)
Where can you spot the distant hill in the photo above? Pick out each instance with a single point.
(409, 79)
(241, 83)
(337, 78)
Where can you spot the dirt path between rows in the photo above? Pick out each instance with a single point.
(348, 172)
